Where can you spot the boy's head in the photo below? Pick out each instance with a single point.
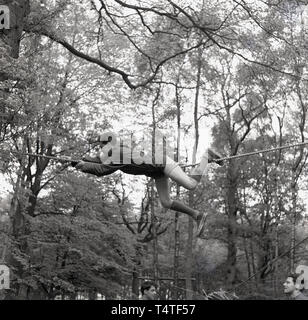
(148, 290)
(102, 139)
(292, 284)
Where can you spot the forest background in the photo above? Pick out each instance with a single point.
(230, 73)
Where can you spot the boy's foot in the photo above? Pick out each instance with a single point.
(213, 156)
(200, 223)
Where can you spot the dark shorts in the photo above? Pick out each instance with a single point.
(149, 170)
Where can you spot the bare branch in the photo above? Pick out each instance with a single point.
(49, 213)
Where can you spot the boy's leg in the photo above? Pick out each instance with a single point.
(175, 172)
(198, 171)
(162, 185)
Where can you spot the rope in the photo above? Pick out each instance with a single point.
(277, 258)
(254, 152)
(252, 276)
(65, 159)
(62, 159)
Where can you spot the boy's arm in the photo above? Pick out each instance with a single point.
(94, 166)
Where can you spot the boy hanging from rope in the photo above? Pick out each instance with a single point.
(114, 156)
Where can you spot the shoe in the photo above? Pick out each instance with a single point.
(200, 224)
(214, 156)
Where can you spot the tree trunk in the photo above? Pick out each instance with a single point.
(176, 255)
(154, 231)
(136, 272)
(152, 204)
(253, 264)
(189, 253)
(293, 226)
(297, 165)
(176, 219)
(189, 244)
(276, 260)
(135, 284)
(247, 256)
(231, 232)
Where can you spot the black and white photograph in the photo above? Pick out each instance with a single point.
(154, 151)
